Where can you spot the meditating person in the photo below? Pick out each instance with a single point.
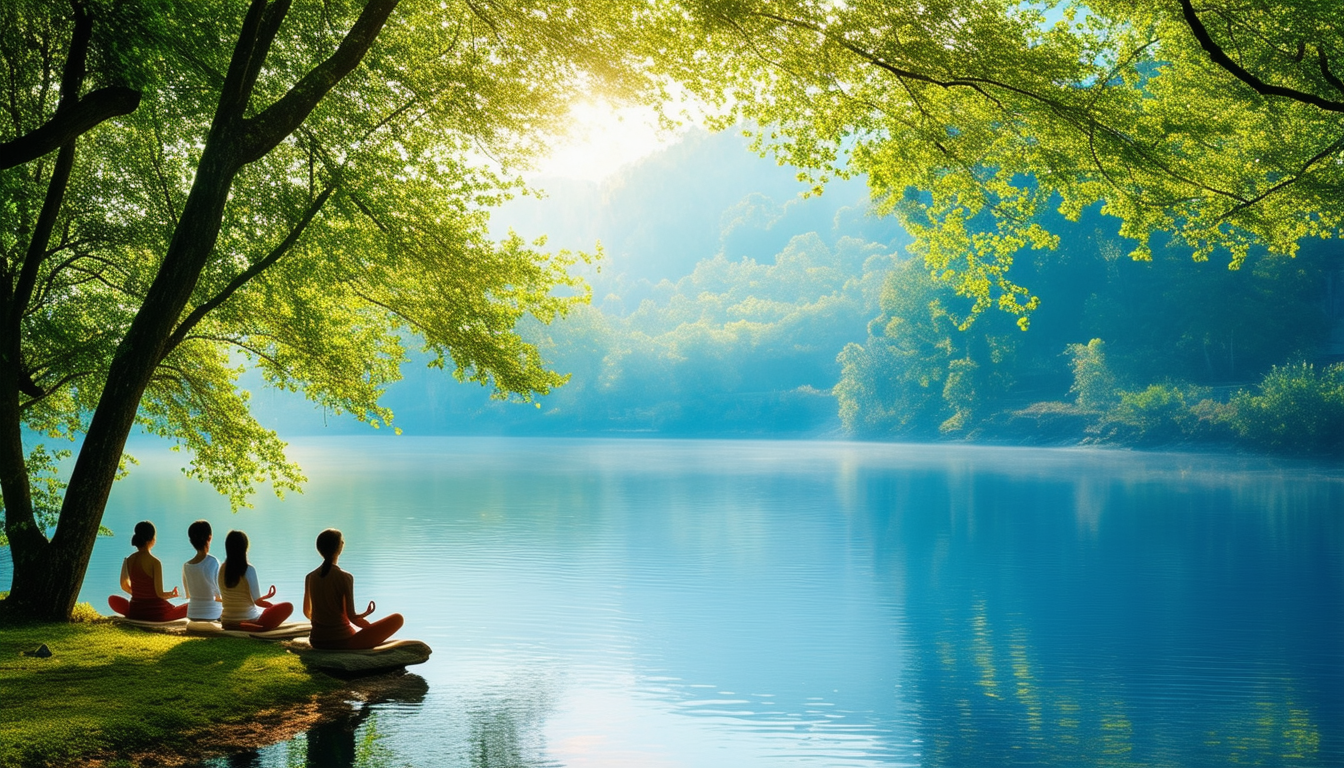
(142, 577)
(200, 576)
(242, 598)
(329, 602)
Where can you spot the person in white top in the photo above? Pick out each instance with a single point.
(200, 576)
(242, 598)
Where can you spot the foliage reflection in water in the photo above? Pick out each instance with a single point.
(700, 603)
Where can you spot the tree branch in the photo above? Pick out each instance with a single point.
(1236, 70)
(240, 344)
(94, 108)
(1325, 70)
(1333, 148)
(369, 213)
(414, 324)
(56, 387)
(72, 82)
(272, 125)
(242, 279)
(271, 20)
(1081, 119)
(156, 158)
(234, 94)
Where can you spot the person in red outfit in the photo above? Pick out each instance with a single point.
(142, 577)
(329, 602)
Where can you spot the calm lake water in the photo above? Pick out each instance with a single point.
(737, 604)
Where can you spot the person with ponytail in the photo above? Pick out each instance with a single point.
(244, 607)
(142, 577)
(329, 602)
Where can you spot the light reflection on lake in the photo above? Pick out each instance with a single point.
(707, 603)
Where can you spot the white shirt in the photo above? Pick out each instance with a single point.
(200, 581)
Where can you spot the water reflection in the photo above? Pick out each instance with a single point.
(616, 603)
(1170, 615)
(355, 739)
(507, 732)
(350, 737)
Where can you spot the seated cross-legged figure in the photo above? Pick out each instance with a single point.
(244, 607)
(200, 576)
(329, 601)
(142, 577)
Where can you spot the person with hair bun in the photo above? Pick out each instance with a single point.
(142, 577)
(329, 602)
(242, 598)
(200, 576)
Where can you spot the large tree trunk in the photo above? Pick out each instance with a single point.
(29, 547)
(27, 544)
(48, 576)
(48, 585)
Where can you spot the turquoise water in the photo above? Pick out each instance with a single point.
(736, 604)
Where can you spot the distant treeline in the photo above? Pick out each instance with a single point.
(727, 305)
(1159, 353)
(734, 347)
(1143, 353)
(719, 306)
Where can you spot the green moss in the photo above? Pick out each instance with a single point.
(110, 690)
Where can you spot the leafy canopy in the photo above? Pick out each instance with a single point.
(363, 232)
(1221, 126)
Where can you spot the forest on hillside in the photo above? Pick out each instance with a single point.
(728, 304)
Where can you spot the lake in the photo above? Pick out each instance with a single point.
(740, 603)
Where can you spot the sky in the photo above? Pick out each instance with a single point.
(602, 139)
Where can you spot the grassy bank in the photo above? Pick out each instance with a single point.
(110, 692)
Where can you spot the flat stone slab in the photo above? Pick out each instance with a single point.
(387, 657)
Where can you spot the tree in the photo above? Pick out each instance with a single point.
(29, 48)
(1178, 325)
(1221, 125)
(304, 188)
(1298, 409)
(1094, 384)
(920, 372)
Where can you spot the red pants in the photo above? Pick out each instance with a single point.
(269, 619)
(147, 608)
(371, 636)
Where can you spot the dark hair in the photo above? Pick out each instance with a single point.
(328, 544)
(235, 558)
(199, 533)
(144, 533)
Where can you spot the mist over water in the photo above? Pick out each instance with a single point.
(719, 603)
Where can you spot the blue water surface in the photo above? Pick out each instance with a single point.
(738, 604)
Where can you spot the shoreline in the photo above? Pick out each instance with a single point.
(268, 727)
(108, 693)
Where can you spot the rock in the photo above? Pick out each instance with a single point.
(385, 658)
(42, 652)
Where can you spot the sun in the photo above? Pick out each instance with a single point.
(602, 139)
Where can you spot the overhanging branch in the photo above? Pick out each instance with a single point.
(94, 108)
(280, 119)
(1221, 58)
(243, 278)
